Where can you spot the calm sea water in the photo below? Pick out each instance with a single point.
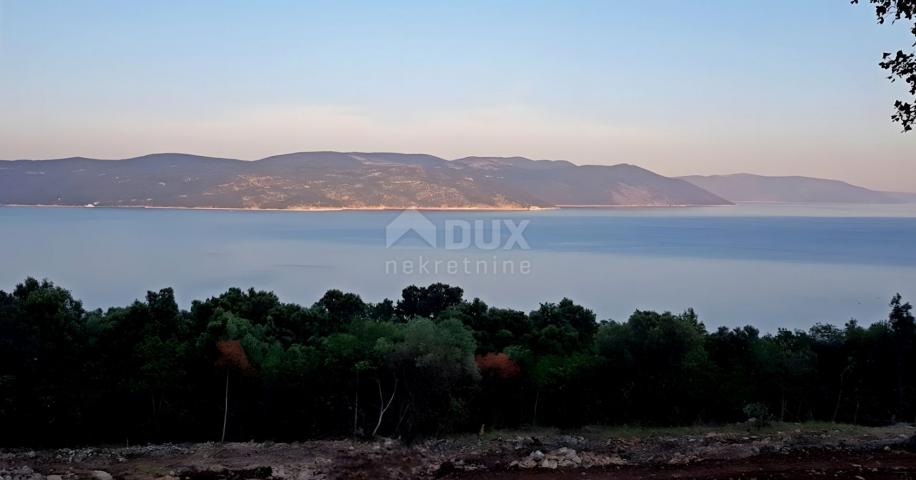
(766, 265)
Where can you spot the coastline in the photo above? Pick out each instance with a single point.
(637, 205)
(292, 209)
(363, 209)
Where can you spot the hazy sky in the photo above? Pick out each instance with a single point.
(680, 87)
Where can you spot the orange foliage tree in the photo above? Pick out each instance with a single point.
(231, 357)
(498, 365)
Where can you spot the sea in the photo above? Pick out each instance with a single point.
(767, 265)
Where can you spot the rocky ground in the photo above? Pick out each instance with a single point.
(781, 451)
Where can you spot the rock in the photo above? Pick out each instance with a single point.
(54, 477)
(218, 472)
(681, 459)
(571, 439)
(536, 455)
(527, 463)
(444, 469)
(567, 457)
(589, 460)
(909, 444)
(549, 463)
(21, 473)
(101, 475)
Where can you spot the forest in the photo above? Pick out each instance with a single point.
(246, 366)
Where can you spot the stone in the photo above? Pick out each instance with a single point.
(21, 473)
(445, 468)
(549, 464)
(101, 475)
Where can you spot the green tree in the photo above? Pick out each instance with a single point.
(43, 349)
(661, 361)
(562, 327)
(901, 65)
(433, 363)
(902, 325)
(428, 302)
(342, 307)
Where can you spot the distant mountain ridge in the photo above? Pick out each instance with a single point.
(314, 180)
(744, 187)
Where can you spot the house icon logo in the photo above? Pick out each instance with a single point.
(410, 221)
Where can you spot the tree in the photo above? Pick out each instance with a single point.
(660, 360)
(355, 353)
(43, 338)
(563, 327)
(902, 325)
(498, 365)
(381, 312)
(494, 328)
(428, 302)
(429, 364)
(829, 347)
(787, 361)
(501, 391)
(902, 65)
(231, 358)
(731, 352)
(342, 307)
(560, 378)
(145, 372)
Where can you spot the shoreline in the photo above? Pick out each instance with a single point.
(364, 209)
(293, 209)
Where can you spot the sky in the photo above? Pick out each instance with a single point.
(680, 87)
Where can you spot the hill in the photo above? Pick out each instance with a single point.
(337, 180)
(744, 187)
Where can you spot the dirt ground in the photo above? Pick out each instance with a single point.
(728, 452)
(876, 465)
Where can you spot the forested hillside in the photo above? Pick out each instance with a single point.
(429, 363)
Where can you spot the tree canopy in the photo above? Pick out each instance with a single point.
(900, 65)
(246, 365)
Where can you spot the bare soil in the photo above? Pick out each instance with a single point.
(783, 451)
